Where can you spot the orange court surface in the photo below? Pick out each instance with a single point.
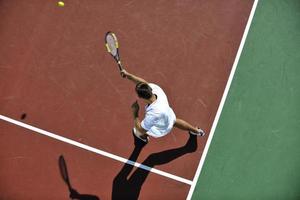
(62, 94)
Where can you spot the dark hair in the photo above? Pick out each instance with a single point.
(143, 90)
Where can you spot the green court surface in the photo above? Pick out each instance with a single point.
(255, 150)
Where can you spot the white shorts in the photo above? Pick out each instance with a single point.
(160, 131)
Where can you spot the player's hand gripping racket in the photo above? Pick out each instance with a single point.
(64, 172)
(112, 46)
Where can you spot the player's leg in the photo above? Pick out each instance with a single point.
(142, 136)
(183, 125)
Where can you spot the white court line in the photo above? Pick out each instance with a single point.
(212, 131)
(97, 151)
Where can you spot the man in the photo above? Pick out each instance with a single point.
(159, 116)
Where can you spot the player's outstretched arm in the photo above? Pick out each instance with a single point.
(132, 77)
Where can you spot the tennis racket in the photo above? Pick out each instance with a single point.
(64, 172)
(112, 46)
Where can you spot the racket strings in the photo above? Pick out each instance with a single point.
(111, 44)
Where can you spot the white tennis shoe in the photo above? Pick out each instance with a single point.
(199, 133)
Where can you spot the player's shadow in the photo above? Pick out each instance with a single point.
(73, 194)
(125, 187)
(76, 196)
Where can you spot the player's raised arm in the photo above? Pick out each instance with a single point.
(132, 77)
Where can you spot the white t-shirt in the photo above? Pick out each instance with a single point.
(159, 116)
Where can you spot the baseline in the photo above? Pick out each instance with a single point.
(97, 151)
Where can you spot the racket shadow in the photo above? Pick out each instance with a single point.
(125, 187)
(74, 194)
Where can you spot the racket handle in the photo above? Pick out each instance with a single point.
(120, 65)
(121, 68)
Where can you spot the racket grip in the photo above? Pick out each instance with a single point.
(120, 65)
(121, 68)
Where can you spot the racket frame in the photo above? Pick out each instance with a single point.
(117, 56)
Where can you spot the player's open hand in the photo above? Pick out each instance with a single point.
(135, 108)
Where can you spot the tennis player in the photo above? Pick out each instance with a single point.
(159, 116)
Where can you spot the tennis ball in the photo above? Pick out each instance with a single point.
(61, 4)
